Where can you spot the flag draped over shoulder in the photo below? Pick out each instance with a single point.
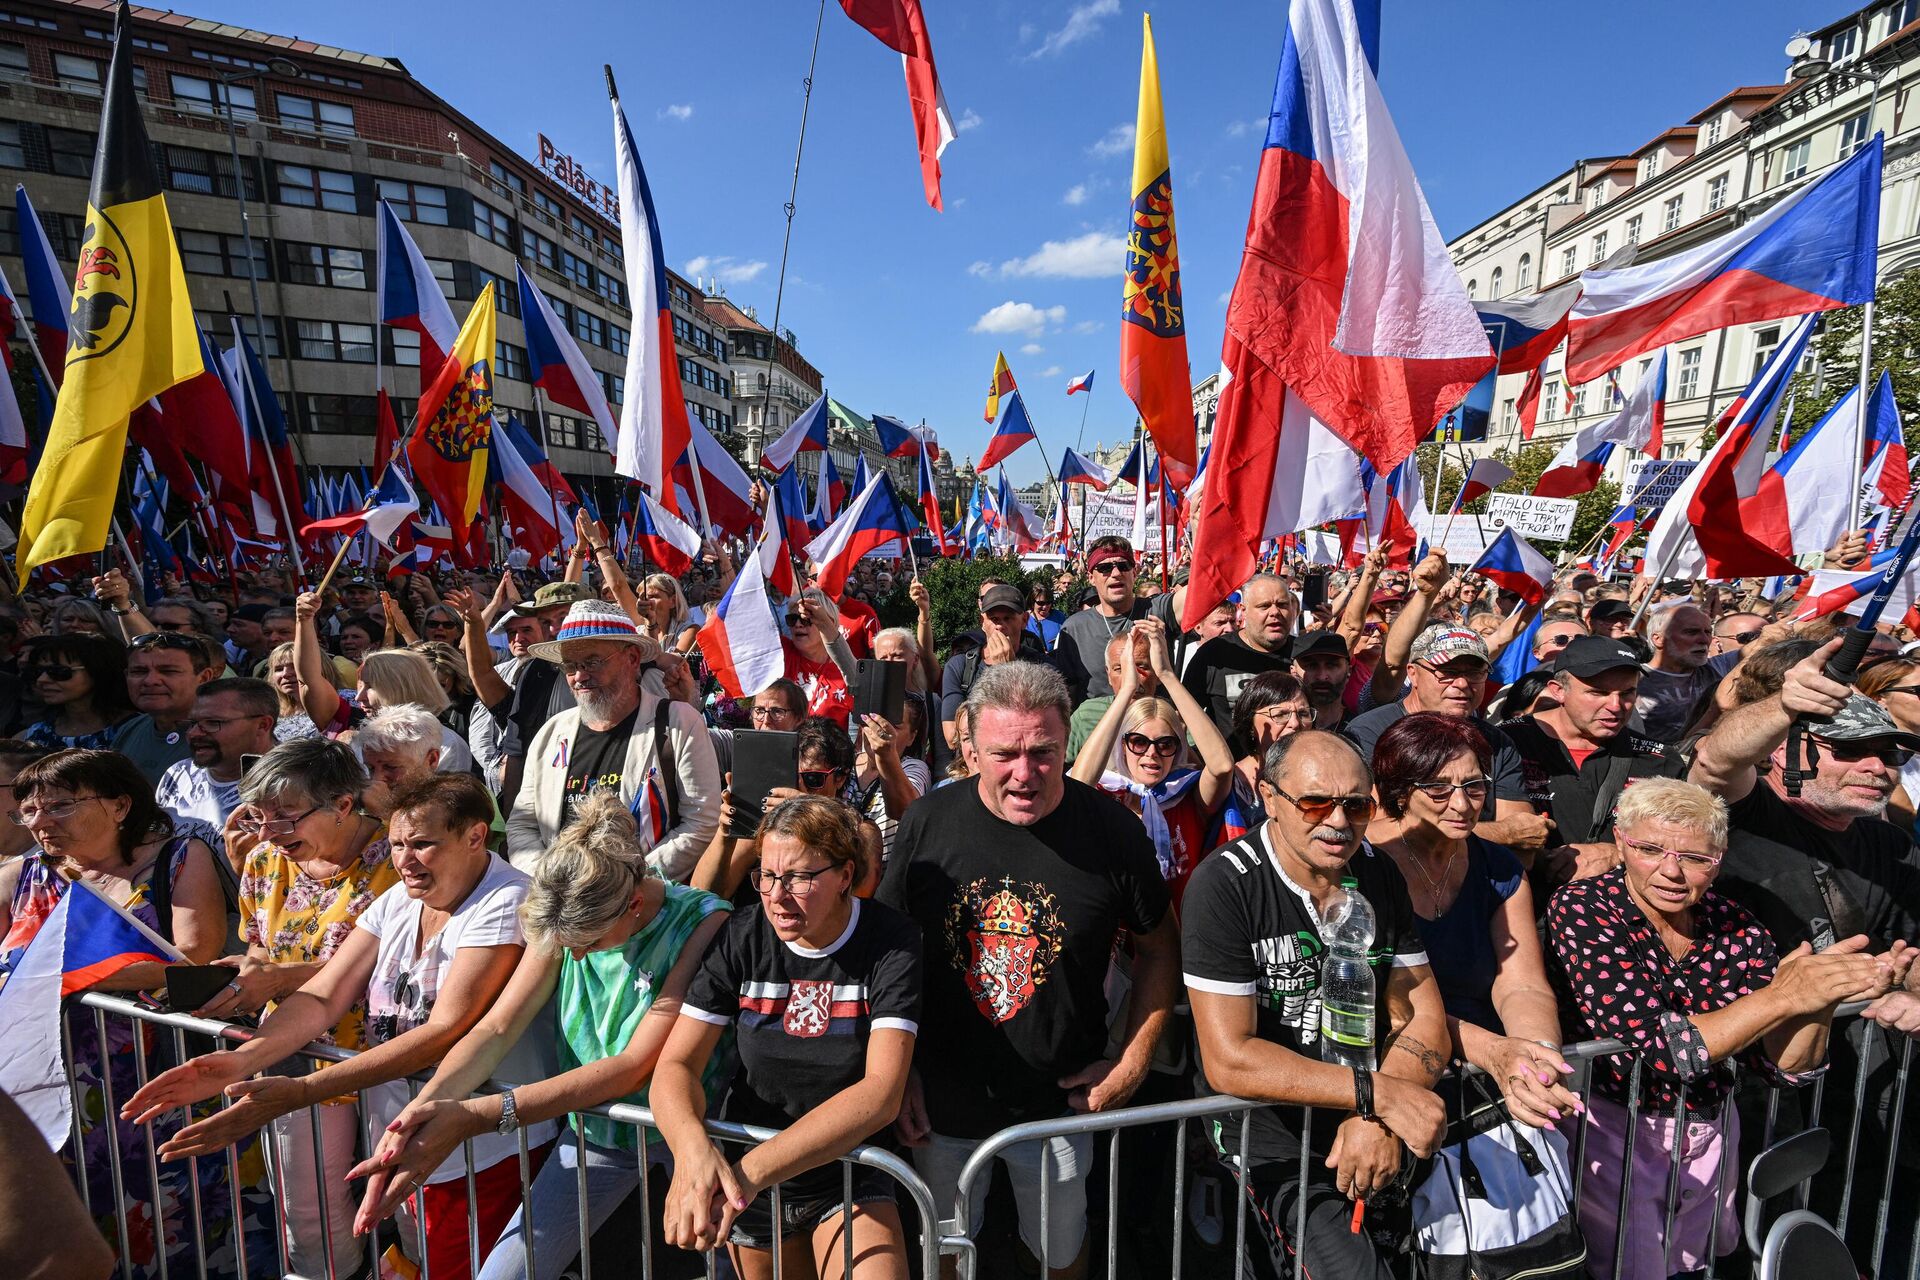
(454, 428)
(131, 333)
(1153, 328)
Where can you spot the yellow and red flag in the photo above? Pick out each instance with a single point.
(130, 330)
(1001, 385)
(453, 430)
(1153, 329)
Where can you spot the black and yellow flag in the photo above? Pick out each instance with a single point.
(131, 332)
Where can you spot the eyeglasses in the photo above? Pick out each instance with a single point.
(797, 883)
(1742, 637)
(167, 638)
(761, 714)
(1107, 568)
(212, 724)
(56, 671)
(1893, 755)
(585, 667)
(818, 777)
(442, 624)
(255, 825)
(52, 811)
(1140, 744)
(1442, 792)
(1685, 859)
(1283, 715)
(1451, 674)
(1902, 688)
(1317, 808)
(797, 620)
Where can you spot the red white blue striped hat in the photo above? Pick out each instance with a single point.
(596, 620)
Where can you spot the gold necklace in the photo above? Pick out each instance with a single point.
(1433, 887)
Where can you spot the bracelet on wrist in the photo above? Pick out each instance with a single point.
(1363, 1094)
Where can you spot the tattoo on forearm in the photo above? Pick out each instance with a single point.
(1432, 1063)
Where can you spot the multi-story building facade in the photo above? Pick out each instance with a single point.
(322, 134)
(1746, 149)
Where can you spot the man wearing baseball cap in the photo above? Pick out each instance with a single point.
(1577, 757)
(519, 695)
(1323, 664)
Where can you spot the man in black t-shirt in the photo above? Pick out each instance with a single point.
(1221, 667)
(1252, 952)
(1019, 880)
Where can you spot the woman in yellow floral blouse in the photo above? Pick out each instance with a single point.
(310, 863)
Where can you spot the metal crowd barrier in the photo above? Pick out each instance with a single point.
(1860, 1191)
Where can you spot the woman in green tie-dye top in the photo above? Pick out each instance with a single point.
(614, 948)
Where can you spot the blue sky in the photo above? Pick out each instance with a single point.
(902, 308)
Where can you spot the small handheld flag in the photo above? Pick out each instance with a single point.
(1511, 564)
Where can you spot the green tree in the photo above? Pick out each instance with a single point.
(953, 585)
(1528, 461)
(1836, 350)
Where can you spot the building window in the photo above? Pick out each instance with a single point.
(1550, 401)
(13, 57)
(315, 115)
(1599, 251)
(1843, 44)
(1764, 343)
(1506, 414)
(1797, 159)
(324, 265)
(612, 288)
(1596, 198)
(1634, 225)
(221, 325)
(547, 209)
(338, 415)
(192, 93)
(1523, 278)
(311, 188)
(506, 293)
(1853, 135)
(618, 339)
(1650, 167)
(576, 269)
(1493, 288)
(1569, 261)
(13, 151)
(491, 224)
(1579, 402)
(333, 340)
(1717, 193)
(403, 349)
(1714, 127)
(442, 269)
(415, 201)
(507, 178)
(206, 173)
(509, 361)
(210, 253)
(84, 75)
(1670, 213)
(589, 327)
(9, 232)
(1689, 384)
(539, 250)
(615, 385)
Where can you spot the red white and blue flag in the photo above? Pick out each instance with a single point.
(1639, 424)
(1620, 526)
(653, 417)
(1082, 383)
(929, 495)
(531, 508)
(47, 289)
(662, 536)
(1346, 300)
(807, 434)
(897, 439)
(1015, 429)
(1848, 590)
(391, 505)
(1814, 251)
(728, 488)
(555, 363)
(741, 636)
(1887, 477)
(1486, 475)
(829, 494)
(84, 940)
(1511, 564)
(1525, 331)
(872, 520)
(407, 295)
(1397, 510)
(1076, 468)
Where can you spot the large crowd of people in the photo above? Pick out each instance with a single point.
(482, 833)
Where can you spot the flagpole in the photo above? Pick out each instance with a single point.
(540, 420)
(273, 463)
(1083, 421)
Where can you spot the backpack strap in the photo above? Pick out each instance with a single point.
(663, 759)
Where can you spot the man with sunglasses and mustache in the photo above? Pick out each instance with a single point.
(1081, 652)
(1252, 949)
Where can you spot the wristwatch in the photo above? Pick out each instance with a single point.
(509, 1114)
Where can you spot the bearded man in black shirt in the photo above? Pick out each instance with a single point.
(1019, 879)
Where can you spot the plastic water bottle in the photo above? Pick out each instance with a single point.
(1346, 980)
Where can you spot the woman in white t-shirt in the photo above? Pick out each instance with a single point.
(428, 958)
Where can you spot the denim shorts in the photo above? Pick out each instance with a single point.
(807, 1201)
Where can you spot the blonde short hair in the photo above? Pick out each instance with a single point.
(1673, 800)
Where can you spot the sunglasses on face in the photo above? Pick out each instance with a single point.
(1742, 637)
(817, 777)
(1107, 568)
(797, 620)
(1893, 755)
(1441, 793)
(55, 671)
(1140, 744)
(1317, 808)
(166, 638)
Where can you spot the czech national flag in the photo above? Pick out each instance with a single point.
(1076, 468)
(556, 365)
(929, 495)
(1082, 383)
(1511, 564)
(46, 288)
(1397, 510)
(741, 636)
(532, 508)
(265, 423)
(1015, 429)
(663, 537)
(1620, 527)
(729, 489)
(391, 505)
(897, 439)
(776, 546)
(83, 940)
(1813, 251)
(407, 295)
(1572, 474)
(793, 506)
(873, 519)
(808, 434)
(1525, 331)
(1887, 467)
(1486, 475)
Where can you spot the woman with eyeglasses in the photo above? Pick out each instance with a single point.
(611, 947)
(1473, 909)
(81, 679)
(1138, 754)
(1648, 954)
(427, 959)
(1894, 683)
(94, 820)
(310, 865)
(822, 992)
(1273, 705)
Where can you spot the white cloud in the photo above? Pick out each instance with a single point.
(1117, 142)
(983, 269)
(1226, 296)
(1020, 317)
(1052, 371)
(1089, 257)
(728, 270)
(677, 111)
(1032, 349)
(1076, 194)
(969, 119)
(1241, 128)
(1082, 23)
(1088, 326)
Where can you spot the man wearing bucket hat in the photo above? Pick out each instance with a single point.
(650, 749)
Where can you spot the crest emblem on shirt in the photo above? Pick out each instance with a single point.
(1004, 937)
(809, 1009)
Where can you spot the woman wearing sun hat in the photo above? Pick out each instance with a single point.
(620, 735)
